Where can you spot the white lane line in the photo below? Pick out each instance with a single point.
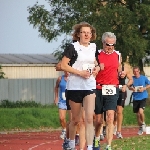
(42, 144)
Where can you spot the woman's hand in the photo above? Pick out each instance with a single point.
(95, 71)
(85, 74)
(58, 66)
(55, 101)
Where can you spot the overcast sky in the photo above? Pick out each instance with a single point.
(16, 34)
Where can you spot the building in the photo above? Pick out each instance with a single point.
(29, 66)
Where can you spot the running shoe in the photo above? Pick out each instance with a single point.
(71, 149)
(140, 132)
(144, 127)
(65, 144)
(96, 144)
(63, 134)
(101, 137)
(119, 135)
(108, 147)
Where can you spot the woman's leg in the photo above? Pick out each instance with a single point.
(89, 106)
(82, 131)
(76, 115)
(67, 126)
(62, 118)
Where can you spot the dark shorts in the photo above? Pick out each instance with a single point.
(78, 95)
(139, 104)
(105, 102)
(122, 98)
(67, 101)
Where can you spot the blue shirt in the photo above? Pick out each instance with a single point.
(141, 81)
(62, 88)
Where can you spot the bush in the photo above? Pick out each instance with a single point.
(20, 104)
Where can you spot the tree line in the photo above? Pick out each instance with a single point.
(128, 19)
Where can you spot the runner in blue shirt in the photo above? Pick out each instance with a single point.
(140, 94)
(60, 99)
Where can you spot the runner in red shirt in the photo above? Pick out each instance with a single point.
(107, 89)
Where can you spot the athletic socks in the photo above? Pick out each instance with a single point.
(72, 143)
(89, 147)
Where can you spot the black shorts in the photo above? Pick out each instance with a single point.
(105, 102)
(139, 104)
(122, 98)
(78, 95)
(67, 101)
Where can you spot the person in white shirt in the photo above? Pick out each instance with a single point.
(81, 83)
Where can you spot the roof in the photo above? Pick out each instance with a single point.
(27, 59)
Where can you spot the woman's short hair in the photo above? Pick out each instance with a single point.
(78, 27)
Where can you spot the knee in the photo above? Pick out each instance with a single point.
(82, 123)
(110, 117)
(119, 112)
(141, 111)
(75, 121)
(99, 122)
(89, 120)
(62, 118)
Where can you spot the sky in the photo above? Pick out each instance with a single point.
(16, 34)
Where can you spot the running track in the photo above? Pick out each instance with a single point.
(42, 140)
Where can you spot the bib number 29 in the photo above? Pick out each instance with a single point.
(108, 90)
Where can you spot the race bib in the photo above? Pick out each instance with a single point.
(137, 88)
(88, 67)
(108, 90)
(63, 96)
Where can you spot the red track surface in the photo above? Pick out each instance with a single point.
(42, 140)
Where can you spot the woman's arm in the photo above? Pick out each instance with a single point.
(58, 66)
(96, 68)
(65, 67)
(56, 90)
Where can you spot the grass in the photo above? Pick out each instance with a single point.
(29, 118)
(132, 143)
(30, 115)
(129, 118)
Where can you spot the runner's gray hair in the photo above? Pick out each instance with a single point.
(108, 35)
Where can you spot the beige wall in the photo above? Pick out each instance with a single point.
(147, 71)
(33, 71)
(28, 72)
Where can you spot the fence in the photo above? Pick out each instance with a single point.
(38, 90)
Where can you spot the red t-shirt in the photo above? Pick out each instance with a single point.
(108, 76)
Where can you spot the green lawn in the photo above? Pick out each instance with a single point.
(47, 117)
(132, 143)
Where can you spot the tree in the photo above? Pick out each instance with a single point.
(1, 73)
(128, 19)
